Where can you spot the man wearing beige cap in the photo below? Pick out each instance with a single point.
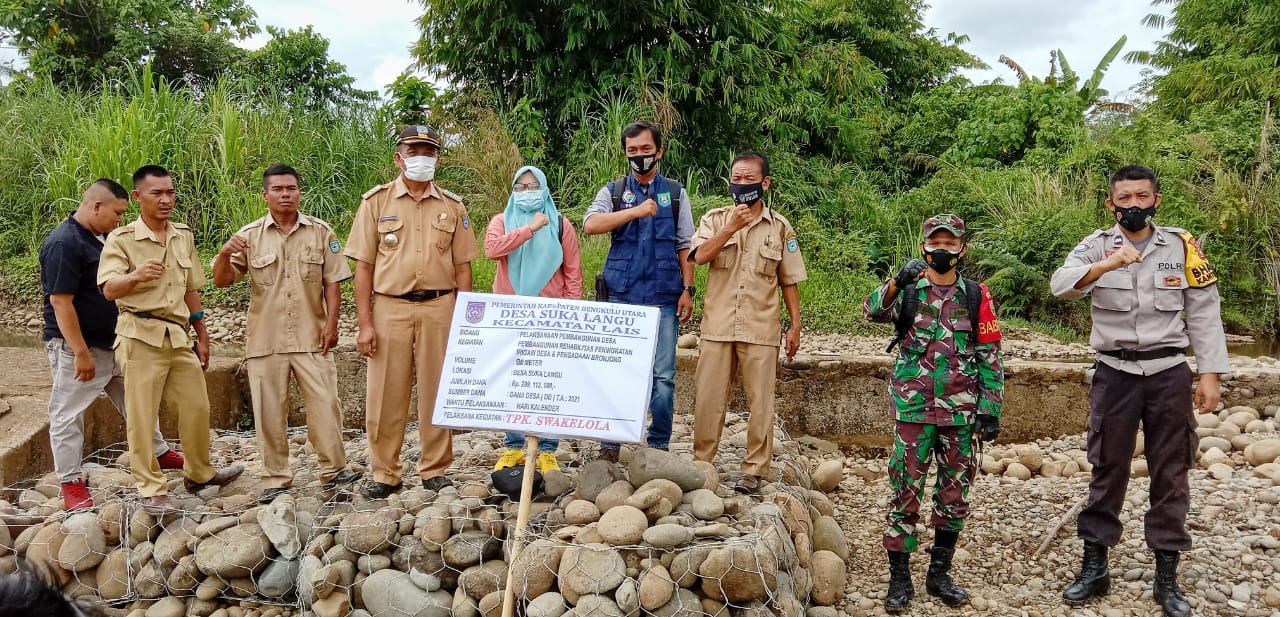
(413, 245)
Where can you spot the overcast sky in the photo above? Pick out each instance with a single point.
(372, 37)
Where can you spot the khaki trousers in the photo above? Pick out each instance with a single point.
(411, 339)
(172, 376)
(717, 364)
(317, 376)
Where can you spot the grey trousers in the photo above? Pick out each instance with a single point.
(69, 399)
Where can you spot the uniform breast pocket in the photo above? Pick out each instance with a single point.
(185, 263)
(1168, 291)
(726, 257)
(442, 229)
(312, 264)
(1113, 292)
(770, 257)
(264, 269)
(389, 235)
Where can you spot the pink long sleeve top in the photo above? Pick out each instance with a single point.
(499, 243)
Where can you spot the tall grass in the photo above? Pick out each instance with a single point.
(1023, 220)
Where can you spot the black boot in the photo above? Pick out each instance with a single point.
(900, 588)
(939, 581)
(1094, 580)
(1166, 588)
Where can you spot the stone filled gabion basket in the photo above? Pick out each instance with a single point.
(658, 534)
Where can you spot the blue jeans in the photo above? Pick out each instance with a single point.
(515, 441)
(662, 399)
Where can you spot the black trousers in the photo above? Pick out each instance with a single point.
(1161, 403)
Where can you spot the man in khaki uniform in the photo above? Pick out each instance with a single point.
(295, 265)
(413, 245)
(151, 270)
(752, 251)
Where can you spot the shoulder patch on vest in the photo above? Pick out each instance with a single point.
(1199, 272)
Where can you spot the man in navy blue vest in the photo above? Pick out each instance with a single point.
(651, 224)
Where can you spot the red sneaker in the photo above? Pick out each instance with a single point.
(75, 495)
(171, 460)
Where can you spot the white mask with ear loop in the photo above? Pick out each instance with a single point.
(420, 168)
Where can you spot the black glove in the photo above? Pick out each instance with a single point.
(907, 275)
(988, 428)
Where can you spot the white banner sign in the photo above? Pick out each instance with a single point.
(548, 367)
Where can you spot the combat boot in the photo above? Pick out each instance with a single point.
(1166, 588)
(939, 583)
(1094, 580)
(900, 588)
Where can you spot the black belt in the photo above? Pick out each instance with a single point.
(1133, 355)
(150, 315)
(422, 295)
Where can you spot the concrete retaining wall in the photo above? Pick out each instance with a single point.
(839, 399)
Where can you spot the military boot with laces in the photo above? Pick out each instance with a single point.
(900, 587)
(1166, 590)
(1094, 580)
(939, 583)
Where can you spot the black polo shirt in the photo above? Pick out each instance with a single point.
(69, 265)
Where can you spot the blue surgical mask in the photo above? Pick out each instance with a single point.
(529, 201)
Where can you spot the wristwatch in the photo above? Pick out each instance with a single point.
(693, 291)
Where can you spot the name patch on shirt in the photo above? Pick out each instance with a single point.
(383, 219)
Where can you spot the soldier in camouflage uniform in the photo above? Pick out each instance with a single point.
(946, 390)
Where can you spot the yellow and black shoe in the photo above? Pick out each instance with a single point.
(510, 458)
(547, 461)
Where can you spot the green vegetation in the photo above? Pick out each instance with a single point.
(869, 128)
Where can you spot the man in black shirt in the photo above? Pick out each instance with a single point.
(79, 332)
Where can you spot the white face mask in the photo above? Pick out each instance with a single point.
(420, 168)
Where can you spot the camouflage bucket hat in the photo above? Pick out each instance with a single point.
(949, 222)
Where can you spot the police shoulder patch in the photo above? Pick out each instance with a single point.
(793, 243)
(334, 245)
(466, 222)
(1199, 272)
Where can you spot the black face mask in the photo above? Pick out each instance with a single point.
(941, 260)
(746, 194)
(643, 163)
(1135, 219)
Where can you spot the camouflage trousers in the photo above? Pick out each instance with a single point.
(914, 445)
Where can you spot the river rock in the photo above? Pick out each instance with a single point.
(113, 575)
(370, 531)
(234, 552)
(594, 477)
(1017, 470)
(656, 588)
(464, 606)
(827, 476)
(490, 605)
(468, 548)
(279, 578)
(706, 505)
(1212, 441)
(1262, 452)
(581, 512)
(167, 607)
(484, 579)
(388, 592)
(185, 577)
(84, 545)
(174, 542)
(623, 525)
(1029, 455)
(712, 477)
(280, 522)
(424, 581)
(556, 483)
(590, 568)
(737, 574)
(335, 605)
(651, 464)
(828, 536)
(628, 597)
(42, 552)
(435, 524)
(534, 569)
(667, 536)
(1207, 420)
(597, 606)
(684, 603)
(614, 495)
(829, 575)
(1220, 471)
(1213, 456)
(547, 605)
(685, 565)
